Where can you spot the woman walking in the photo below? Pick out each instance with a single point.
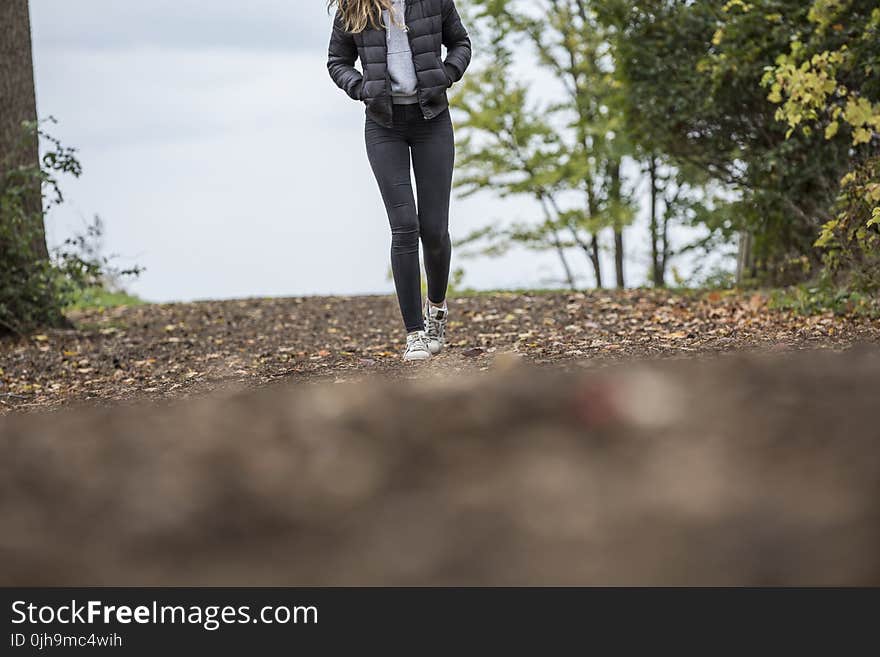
(403, 85)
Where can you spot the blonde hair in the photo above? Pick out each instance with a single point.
(358, 15)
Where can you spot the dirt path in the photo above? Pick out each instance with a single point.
(173, 351)
(756, 470)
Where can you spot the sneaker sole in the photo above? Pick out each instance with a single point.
(417, 358)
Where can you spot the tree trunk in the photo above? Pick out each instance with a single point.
(593, 251)
(666, 251)
(618, 257)
(569, 275)
(548, 200)
(594, 259)
(657, 274)
(616, 198)
(17, 105)
(744, 264)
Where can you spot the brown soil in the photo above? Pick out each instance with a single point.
(597, 464)
(744, 470)
(167, 352)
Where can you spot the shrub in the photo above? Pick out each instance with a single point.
(34, 288)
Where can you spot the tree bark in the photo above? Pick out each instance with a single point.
(616, 198)
(593, 251)
(554, 238)
(594, 259)
(744, 261)
(657, 274)
(664, 240)
(17, 105)
(569, 275)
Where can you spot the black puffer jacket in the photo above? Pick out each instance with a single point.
(430, 23)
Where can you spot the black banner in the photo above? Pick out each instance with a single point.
(415, 621)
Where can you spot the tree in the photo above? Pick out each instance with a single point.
(19, 147)
(829, 83)
(571, 45)
(693, 72)
(34, 287)
(508, 148)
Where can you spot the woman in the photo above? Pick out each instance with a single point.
(403, 86)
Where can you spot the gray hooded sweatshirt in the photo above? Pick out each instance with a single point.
(404, 85)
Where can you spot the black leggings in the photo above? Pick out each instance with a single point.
(433, 153)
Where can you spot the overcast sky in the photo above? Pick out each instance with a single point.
(222, 158)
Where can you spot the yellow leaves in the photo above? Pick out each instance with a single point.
(41, 338)
(802, 91)
(826, 237)
(825, 12)
(860, 112)
(740, 4)
(864, 117)
(852, 233)
(838, 57)
(862, 136)
(809, 91)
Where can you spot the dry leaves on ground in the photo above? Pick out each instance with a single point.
(171, 351)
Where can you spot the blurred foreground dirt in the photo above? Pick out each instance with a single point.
(742, 470)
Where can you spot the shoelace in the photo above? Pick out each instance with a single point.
(416, 342)
(435, 328)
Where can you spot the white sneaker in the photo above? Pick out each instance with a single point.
(435, 327)
(416, 347)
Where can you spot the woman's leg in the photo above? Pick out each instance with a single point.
(388, 152)
(433, 155)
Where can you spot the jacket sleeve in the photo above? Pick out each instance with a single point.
(341, 56)
(457, 42)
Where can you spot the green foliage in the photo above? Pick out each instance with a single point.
(746, 114)
(566, 153)
(828, 83)
(694, 73)
(100, 296)
(829, 77)
(851, 241)
(569, 154)
(824, 295)
(34, 289)
(508, 146)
